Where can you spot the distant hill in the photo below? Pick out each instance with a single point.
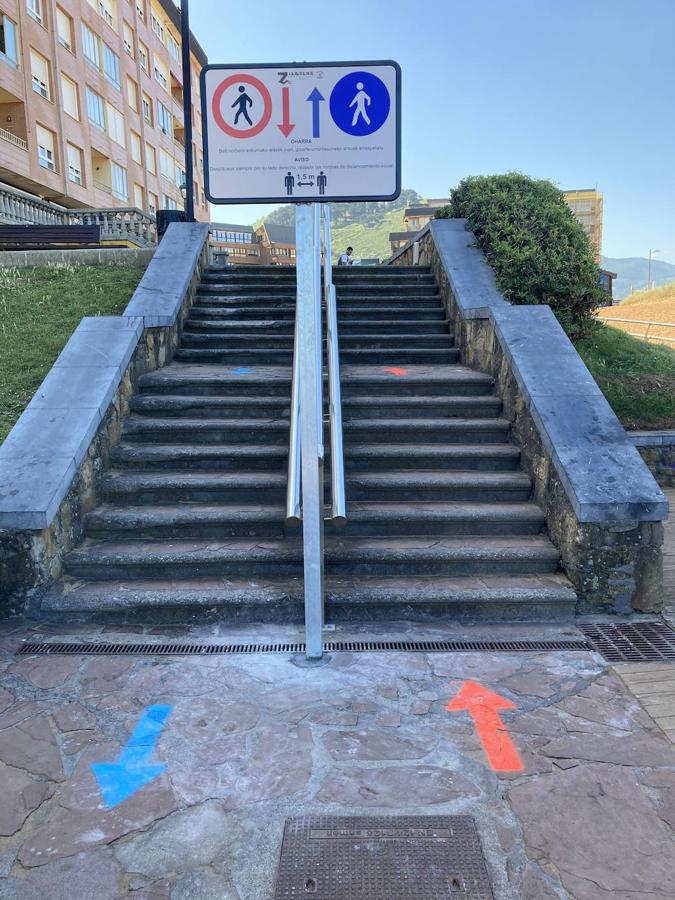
(632, 273)
(363, 226)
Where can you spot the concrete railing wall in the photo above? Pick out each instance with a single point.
(604, 510)
(52, 460)
(657, 448)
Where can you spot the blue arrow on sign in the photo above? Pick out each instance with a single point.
(316, 98)
(132, 771)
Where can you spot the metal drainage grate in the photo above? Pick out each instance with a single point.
(382, 858)
(44, 648)
(636, 642)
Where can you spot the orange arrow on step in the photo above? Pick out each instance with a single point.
(483, 705)
(285, 128)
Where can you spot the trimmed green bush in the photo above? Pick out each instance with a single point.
(538, 250)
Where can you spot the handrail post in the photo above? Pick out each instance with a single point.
(308, 313)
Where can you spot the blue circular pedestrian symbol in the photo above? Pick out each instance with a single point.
(360, 103)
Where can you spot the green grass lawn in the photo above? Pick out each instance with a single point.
(637, 378)
(39, 310)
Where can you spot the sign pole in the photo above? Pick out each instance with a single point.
(187, 109)
(309, 370)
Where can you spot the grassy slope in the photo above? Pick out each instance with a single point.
(39, 309)
(656, 305)
(367, 242)
(637, 378)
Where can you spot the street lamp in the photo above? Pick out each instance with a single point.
(649, 267)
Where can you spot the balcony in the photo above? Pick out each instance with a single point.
(13, 139)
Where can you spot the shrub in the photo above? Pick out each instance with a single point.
(538, 250)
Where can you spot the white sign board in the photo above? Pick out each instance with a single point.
(300, 133)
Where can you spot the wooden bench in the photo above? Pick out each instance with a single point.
(39, 237)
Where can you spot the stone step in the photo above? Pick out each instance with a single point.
(415, 407)
(414, 274)
(420, 457)
(193, 487)
(189, 457)
(351, 289)
(349, 327)
(193, 380)
(412, 381)
(218, 521)
(379, 313)
(235, 357)
(505, 598)
(243, 326)
(229, 407)
(431, 431)
(259, 314)
(347, 341)
(397, 356)
(381, 301)
(242, 557)
(142, 429)
(434, 484)
(385, 356)
(391, 326)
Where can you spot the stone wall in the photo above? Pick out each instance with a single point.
(603, 509)
(92, 256)
(52, 461)
(657, 448)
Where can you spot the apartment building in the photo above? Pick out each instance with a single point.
(587, 206)
(415, 218)
(91, 103)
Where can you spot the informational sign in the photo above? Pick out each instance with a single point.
(300, 133)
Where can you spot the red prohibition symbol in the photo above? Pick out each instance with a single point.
(267, 102)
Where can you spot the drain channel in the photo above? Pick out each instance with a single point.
(632, 642)
(96, 648)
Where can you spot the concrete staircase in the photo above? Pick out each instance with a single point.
(440, 521)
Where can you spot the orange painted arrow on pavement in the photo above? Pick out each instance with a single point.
(482, 705)
(285, 128)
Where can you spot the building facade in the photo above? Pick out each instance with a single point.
(587, 208)
(235, 244)
(91, 103)
(278, 244)
(415, 218)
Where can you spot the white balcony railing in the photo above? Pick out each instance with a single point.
(13, 139)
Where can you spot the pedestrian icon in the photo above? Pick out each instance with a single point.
(242, 101)
(289, 183)
(321, 183)
(360, 103)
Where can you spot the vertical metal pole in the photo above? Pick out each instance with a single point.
(309, 331)
(187, 108)
(318, 307)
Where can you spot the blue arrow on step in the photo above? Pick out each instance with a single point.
(132, 771)
(316, 98)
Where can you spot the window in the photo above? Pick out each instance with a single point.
(179, 175)
(166, 165)
(161, 73)
(70, 101)
(136, 147)
(95, 108)
(174, 46)
(35, 9)
(143, 56)
(90, 46)
(111, 66)
(157, 27)
(140, 8)
(128, 36)
(119, 182)
(139, 198)
(169, 202)
(147, 109)
(64, 29)
(45, 140)
(74, 164)
(132, 93)
(164, 118)
(8, 40)
(150, 159)
(40, 74)
(116, 125)
(106, 9)
(152, 203)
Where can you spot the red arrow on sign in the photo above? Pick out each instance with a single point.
(285, 128)
(482, 705)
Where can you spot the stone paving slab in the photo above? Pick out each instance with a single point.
(254, 739)
(654, 686)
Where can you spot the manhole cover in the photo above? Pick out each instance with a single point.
(382, 858)
(632, 641)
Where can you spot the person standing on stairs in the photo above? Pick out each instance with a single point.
(346, 258)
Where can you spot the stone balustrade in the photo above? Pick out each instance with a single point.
(13, 139)
(120, 223)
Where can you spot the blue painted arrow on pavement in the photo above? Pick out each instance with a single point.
(132, 771)
(315, 98)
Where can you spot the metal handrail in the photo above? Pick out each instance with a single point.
(293, 506)
(338, 497)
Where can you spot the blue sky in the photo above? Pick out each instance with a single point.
(578, 91)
